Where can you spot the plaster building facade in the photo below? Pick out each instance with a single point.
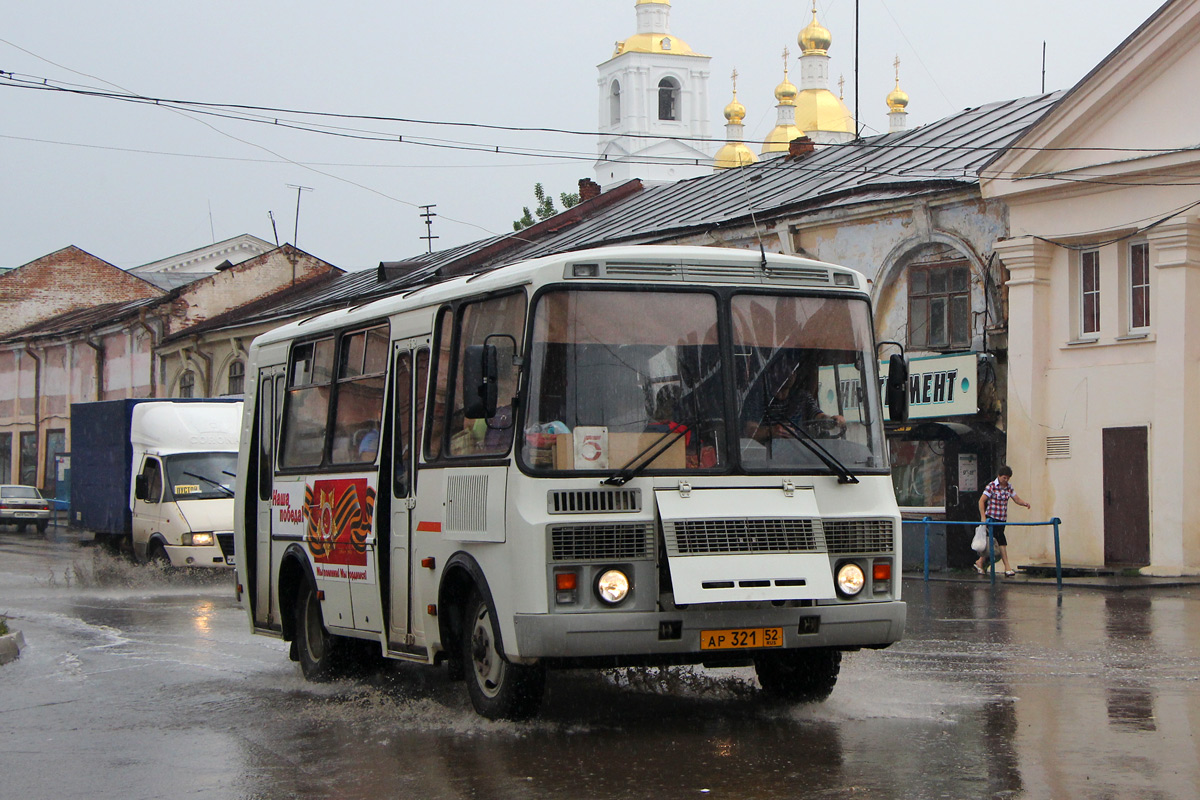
(1104, 255)
(114, 350)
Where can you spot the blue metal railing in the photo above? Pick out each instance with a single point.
(991, 541)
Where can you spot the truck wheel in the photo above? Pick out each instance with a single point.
(499, 689)
(799, 675)
(156, 554)
(315, 646)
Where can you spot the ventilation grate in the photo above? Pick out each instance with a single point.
(705, 536)
(593, 501)
(1058, 447)
(466, 503)
(600, 542)
(867, 536)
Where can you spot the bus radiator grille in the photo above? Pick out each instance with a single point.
(600, 542)
(860, 536)
(715, 536)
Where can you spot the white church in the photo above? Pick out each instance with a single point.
(654, 101)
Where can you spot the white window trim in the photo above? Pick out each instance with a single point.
(1127, 284)
(1082, 334)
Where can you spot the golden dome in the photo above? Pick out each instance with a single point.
(661, 43)
(786, 92)
(653, 2)
(735, 112)
(816, 38)
(821, 110)
(734, 154)
(779, 139)
(897, 100)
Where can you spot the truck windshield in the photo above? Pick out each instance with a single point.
(200, 476)
(622, 381)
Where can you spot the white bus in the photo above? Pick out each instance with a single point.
(623, 456)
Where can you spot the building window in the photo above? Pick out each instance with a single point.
(1089, 298)
(668, 100)
(1139, 286)
(28, 465)
(939, 306)
(5, 458)
(187, 384)
(237, 377)
(614, 103)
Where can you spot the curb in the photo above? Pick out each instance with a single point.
(10, 646)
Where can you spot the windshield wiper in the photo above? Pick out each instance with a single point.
(211, 482)
(651, 453)
(808, 440)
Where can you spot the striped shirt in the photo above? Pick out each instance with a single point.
(997, 500)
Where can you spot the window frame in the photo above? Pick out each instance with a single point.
(671, 91)
(187, 384)
(235, 371)
(1139, 293)
(948, 295)
(1089, 297)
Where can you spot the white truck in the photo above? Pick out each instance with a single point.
(158, 476)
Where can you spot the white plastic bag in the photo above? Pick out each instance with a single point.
(979, 543)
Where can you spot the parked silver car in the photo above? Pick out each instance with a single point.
(22, 506)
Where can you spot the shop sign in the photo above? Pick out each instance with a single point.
(939, 386)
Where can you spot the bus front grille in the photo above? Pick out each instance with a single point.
(593, 501)
(717, 536)
(600, 542)
(868, 536)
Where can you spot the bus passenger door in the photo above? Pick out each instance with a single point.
(258, 559)
(410, 376)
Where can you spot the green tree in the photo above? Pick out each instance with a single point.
(545, 207)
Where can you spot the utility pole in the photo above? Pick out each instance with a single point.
(428, 213)
(296, 232)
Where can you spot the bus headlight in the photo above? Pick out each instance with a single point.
(613, 586)
(197, 539)
(850, 579)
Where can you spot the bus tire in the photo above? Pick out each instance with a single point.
(316, 648)
(806, 676)
(499, 689)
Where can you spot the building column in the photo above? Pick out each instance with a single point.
(1175, 435)
(1029, 261)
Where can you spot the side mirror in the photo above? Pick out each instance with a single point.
(479, 381)
(896, 392)
(141, 487)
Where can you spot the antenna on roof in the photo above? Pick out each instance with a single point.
(1043, 66)
(428, 213)
(271, 214)
(296, 233)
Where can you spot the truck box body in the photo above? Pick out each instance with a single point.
(111, 442)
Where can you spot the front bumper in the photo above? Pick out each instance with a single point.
(192, 556)
(637, 634)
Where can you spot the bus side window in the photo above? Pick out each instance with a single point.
(441, 387)
(266, 437)
(497, 317)
(310, 376)
(359, 399)
(402, 449)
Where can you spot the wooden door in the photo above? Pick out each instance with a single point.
(1126, 497)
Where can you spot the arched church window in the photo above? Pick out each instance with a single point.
(187, 384)
(939, 302)
(237, 377)
(614, 103)
(668, 100)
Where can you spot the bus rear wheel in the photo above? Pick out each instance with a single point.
(315, 646)
(499, 689)
(806, 676)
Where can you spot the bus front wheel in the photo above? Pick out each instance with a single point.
(315, 646)
(799, 675)
(499, 689)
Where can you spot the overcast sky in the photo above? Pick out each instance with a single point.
(135, 183)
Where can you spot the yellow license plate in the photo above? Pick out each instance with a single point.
(741, 638)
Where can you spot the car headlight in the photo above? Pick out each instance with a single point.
(613, 586)
(850, 579)
(197, 539)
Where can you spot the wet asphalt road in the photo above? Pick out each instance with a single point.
(139, 684)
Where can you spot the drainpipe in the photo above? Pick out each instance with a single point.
(98, 348)
(149, 329)
(37, 411)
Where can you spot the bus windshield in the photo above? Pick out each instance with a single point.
(622, 380)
